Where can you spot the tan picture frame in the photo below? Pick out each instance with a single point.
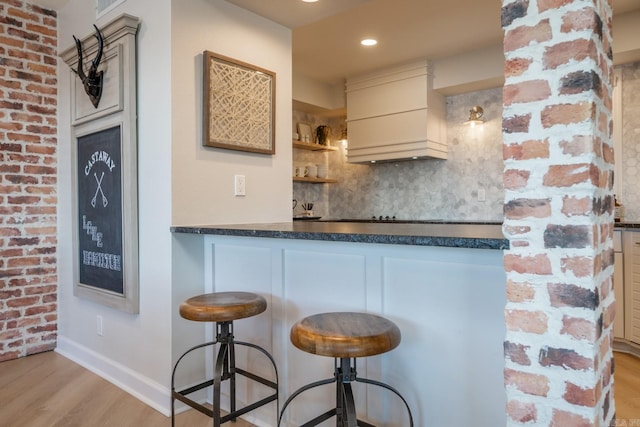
(104, 177)
(238, 105)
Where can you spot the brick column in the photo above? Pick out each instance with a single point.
(28, 179)
(558, 211)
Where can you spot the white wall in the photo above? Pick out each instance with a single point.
(319, 94)
(202, 177)
(470, 71)
(626, 43)
(135, 351)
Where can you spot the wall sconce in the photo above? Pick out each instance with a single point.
(475, 116)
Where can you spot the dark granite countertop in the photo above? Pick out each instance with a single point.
(627, 225)
(476, 235)
(457, 234)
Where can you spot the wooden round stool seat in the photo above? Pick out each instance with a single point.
(222, 306)
(345, 334)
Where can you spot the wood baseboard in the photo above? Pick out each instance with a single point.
(626, 346)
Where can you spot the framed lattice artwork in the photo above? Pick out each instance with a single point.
(239, 105)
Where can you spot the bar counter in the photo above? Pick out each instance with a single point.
(442, 283)
(458, 234)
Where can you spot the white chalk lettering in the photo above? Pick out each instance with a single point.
(102, 260)
(92, 231)
(99, 156)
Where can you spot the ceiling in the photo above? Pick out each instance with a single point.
(326, 34)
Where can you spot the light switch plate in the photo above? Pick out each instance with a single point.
(239, 187)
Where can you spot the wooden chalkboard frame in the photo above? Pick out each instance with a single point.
(105, 185)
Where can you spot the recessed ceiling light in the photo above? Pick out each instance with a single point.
(369, 42)
(309, 1)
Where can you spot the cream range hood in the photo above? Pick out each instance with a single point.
(393, 114)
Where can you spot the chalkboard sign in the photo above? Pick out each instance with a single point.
(100, 215)
(104, 163)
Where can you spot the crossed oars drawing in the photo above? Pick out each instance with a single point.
(105, 202)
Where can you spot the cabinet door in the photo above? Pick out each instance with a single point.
(632, 285)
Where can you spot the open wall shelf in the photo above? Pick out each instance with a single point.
(315, 180)
(313, 147)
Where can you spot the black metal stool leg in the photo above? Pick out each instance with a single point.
(231, 367)
(301, 390)
(345, 410)
(217, 380)
(388, 387)
(274, 385)
(224, 368)
(347, 406)
(180, 395)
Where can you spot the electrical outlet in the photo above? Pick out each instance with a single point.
(239, 188)
(99, 329)
(481, 195)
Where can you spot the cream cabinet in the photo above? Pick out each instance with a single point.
(618, 285)
(451, 324)
(631, 243)
(394, 114)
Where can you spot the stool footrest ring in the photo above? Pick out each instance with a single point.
(345, 411)
(320, 418)
(303, 389)
(224, 369)
(195, 388)
(256, 378)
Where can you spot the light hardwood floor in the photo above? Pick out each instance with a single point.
(627, 389)
(49, 390)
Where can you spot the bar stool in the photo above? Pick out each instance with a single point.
(223, 308)
(344, 336)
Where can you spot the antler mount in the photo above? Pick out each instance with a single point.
(93, 79)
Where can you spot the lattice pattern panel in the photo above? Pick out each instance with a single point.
(240, 106)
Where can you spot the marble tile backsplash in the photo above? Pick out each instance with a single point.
(430, 188)
(448, 189)
(418, 189)
(318, 194)
(630, 196)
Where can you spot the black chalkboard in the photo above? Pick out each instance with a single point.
(100, 210)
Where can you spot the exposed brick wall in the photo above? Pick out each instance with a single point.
(558, 209)
(28, 178)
